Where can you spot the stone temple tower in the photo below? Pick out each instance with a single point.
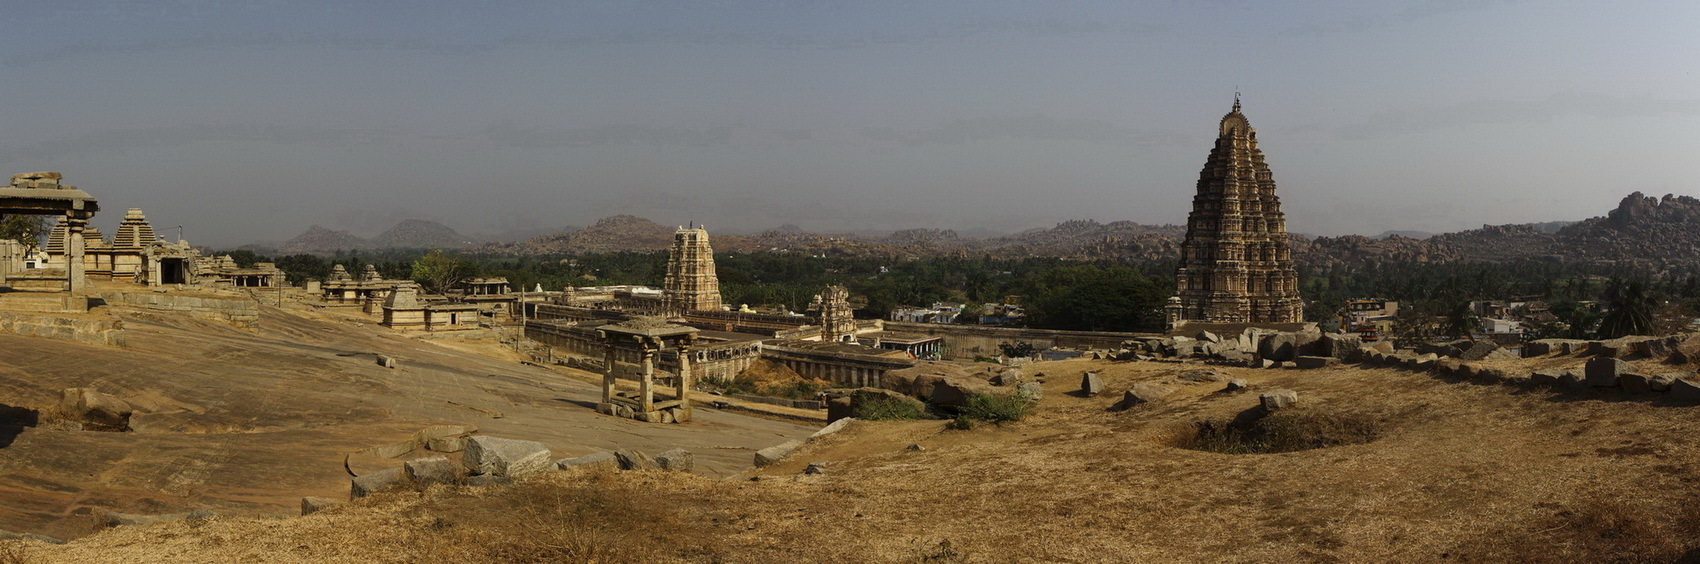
(1235, 263)
(691, 284)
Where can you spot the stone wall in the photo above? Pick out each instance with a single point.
(94, 331)
(238, 311)
(964, 342)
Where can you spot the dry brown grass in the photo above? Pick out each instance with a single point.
(12, 552)
(1456, 472)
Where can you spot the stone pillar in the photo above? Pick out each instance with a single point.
(684, 390)
(608, 373)
(647, 387)
(74, 267)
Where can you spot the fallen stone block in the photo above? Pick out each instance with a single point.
(1662, 382)
(445, 444)
(1314, 362)
(1547, 377)
(1091, 384)
(1635, 383)
(677, 460)
(311, 505)
(1685, 390)
(589, 460)
(1278, 399)
(1572, 379)
(1448, 366)
(1477, 350)
(366, 485)
(776, 453)
(839, 408)
(1008, 377)
(1603, 372)
(386, 361)
(835, 427)
(816, 467)
(433, 470)
(1236, 385)
(635, 460)
(1143, 392)
(505, 457)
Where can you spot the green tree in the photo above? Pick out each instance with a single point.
(25, 228)
(438, 272)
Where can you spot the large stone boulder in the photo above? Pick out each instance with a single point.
(922, 380)
(634, 460)
(956, 394)
(839, 408)
(1278, 399)
(1343, 346)
(1547, 377)
(505, 457)
(94, 410)
(1008, 377)
(1603, 371)
(676, 460)
(1279, 347)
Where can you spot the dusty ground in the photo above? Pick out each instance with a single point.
(1458, 472)
(246, 423)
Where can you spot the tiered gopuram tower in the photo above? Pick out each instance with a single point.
(1235, 264)
(691, 284)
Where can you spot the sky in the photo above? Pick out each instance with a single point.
(252, 120)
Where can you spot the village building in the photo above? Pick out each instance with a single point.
(1235, 264)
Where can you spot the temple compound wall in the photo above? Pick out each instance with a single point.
(237, 311)
(1235, 264)
(965, 342)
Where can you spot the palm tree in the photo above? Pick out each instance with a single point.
(1631, 311)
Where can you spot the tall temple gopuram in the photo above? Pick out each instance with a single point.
(1235, 264)
(690, 284)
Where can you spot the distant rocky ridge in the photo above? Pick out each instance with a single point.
(1642, 230)
(408, 234)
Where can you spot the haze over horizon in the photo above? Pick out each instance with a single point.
(251, 121)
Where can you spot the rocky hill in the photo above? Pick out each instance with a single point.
(317, 239)
(1653, 231)
(419, 234)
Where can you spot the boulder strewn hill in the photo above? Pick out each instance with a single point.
(419, 234)
(320, 239)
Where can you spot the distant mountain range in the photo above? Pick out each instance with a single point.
(1642, 229)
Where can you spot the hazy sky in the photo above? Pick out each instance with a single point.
(251, 120)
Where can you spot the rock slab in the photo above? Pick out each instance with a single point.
(505, 457)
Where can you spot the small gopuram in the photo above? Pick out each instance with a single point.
(837, 323)
(1235, 263)
(62, 287)
(690, 284)
(634, 346)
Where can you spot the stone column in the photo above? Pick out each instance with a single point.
(74, 267)
(683, 393)
(608, 372)
(647, 387)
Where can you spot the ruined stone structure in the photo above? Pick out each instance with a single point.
(403, 309)
(837, 325)
(1235, 263)
(648, 336)
(61, 287)
(691, 284)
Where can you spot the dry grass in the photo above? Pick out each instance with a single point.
(1401, 467)
(12, 552)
